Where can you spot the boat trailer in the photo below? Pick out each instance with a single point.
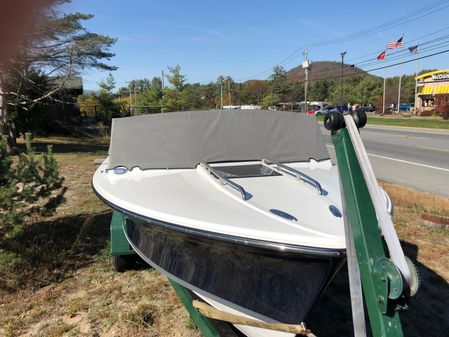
(377, 266)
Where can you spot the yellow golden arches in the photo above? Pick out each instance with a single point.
(432, 73)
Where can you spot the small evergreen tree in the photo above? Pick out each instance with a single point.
(278, 84)
(31, 185)
(174, 99)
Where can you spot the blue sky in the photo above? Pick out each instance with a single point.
(245, 39)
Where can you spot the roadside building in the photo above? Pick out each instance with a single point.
(62, 114)
(432, 90)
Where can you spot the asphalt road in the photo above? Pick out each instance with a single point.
(411, 157)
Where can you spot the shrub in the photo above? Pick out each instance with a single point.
(444, 111)
(28, 185)
(426, 113)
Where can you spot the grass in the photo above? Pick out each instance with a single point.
(56, 329)
(191, 325)
(143, 315)
(56, 277)
(429, 123)
(410, 122)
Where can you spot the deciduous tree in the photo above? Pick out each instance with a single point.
(59, 45)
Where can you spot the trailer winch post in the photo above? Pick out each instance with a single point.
(382, 282)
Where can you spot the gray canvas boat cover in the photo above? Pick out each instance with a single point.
(184, 139)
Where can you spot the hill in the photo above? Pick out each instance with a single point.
(322, 70)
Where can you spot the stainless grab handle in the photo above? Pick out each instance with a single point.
(225, 181)
(295, 173)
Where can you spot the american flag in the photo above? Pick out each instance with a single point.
(395, 44)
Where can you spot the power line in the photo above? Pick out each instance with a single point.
(358, 72)
(431, 45)
(419, 13)
(410, 42)
(400, 54)
(412, 16)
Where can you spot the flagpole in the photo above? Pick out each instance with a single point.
(400, 78)
(416, 74)
(383, 97)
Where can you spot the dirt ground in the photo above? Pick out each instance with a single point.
(56, 278)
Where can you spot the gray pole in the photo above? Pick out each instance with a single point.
(399, 90)
(306, 71)
(130, 101)
(306, 106)
(342, 90)
(221, 92)
(416, 81)
(229, 92)
(383, 97)
(135, 101)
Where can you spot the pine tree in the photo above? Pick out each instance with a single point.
(32, 185)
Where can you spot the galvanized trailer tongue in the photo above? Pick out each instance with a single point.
(387, 278)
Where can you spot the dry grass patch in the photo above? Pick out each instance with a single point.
(144, 315)
(56, 329)
(432, 243)
(414, 200)
(77, 304)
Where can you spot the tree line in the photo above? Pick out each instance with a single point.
(149, 95)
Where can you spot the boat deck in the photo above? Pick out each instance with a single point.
(278, 207)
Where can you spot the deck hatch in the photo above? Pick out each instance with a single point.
(245, 171)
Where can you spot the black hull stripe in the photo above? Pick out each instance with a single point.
(280, 285)
(196, 289)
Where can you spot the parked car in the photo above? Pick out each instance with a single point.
(368, 107)
(340, 108)
(406, 107)
(324, 110)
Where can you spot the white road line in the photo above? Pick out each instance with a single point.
(404, 161)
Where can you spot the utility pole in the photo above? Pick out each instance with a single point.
(221, 91)
(306, 65)
(229, 92)
(130, 101)
(162, 84)
(399, 91)
(363, 96)
(342, 87)
(135, 100)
